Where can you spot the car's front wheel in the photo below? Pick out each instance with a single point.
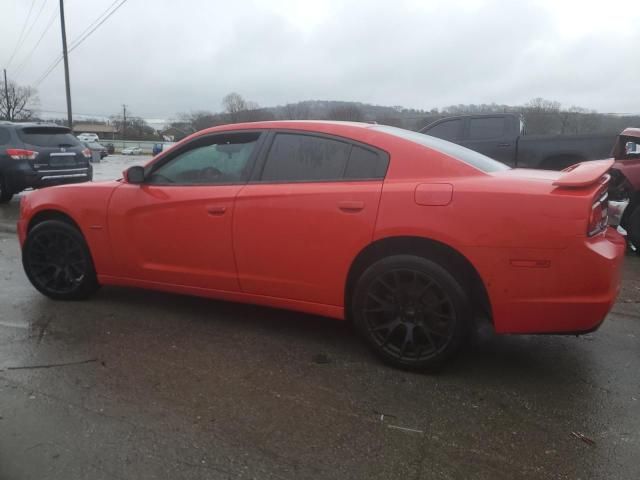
(57, 261)
(411, 311)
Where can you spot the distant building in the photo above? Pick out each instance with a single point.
(101, 129)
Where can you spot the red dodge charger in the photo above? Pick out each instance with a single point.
(410, 236)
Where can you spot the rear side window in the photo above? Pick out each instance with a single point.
(299, 158)
(448, 130)
(491, 127)
(365, 164)
(5, 136)
(48, 137)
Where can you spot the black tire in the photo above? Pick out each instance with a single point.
(5, 194)
(58, 263)
(632, 226)
(411, 311)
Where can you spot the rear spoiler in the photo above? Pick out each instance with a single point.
(583, 174)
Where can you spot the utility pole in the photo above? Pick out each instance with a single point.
(6, 95)
(66, 65)
(124, 122)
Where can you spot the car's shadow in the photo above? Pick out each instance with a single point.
(514, 357)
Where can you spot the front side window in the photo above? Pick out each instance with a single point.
(222, 159)
(299, 158)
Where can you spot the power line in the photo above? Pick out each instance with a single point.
(26, 59)
(93, 23)
(80, 40)
(33, 24)
(26, 20)
(50, 69)
(77, 42)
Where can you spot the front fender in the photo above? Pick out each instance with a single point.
(85, 204)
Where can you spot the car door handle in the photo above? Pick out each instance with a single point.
(504, 145)
(216, 210)
(351, 206)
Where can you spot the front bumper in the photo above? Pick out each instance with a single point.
(557, 291)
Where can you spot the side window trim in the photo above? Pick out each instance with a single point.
(258, 168)
(202, 141)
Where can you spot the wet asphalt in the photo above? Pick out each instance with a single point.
(145, 385)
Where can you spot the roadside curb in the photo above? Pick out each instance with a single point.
(8, 228)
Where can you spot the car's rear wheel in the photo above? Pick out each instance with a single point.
(411, 311)
(5, 194)
(57, 261)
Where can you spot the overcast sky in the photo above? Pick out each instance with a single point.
(162, 57)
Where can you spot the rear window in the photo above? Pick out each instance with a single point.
(5, 137)
(48, 137)
(475, 159)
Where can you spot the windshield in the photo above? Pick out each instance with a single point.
(48, 137)
(475, 159)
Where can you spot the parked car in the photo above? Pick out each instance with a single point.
(110, 148)
(625, 183)
(412, 237)
(95, 146)
(88, 137)
(502, 136)
(34, 155)
(161, 147)
(132, 151)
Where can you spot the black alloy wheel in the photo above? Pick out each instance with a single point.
(411, 311)
(57, 261)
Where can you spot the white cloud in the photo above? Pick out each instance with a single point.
(164, 57)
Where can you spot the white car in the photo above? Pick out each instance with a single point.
(132, 151)
(88, 137)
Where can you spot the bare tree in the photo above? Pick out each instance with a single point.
(18, 102)
(297, 111)
(544, 116)
(201, 119)
(233, 104)
(347, 112)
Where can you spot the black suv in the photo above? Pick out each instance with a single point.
(38, 155)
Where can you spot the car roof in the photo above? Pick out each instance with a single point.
(631, 132)
(31, 124)
(312, 125)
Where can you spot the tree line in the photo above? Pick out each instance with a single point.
(541, 116)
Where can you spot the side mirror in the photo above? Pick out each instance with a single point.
(134, 174)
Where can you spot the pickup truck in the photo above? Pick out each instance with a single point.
(502, 136)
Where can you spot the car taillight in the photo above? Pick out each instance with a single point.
(21, 154)
(87, 153)
(599, 217)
